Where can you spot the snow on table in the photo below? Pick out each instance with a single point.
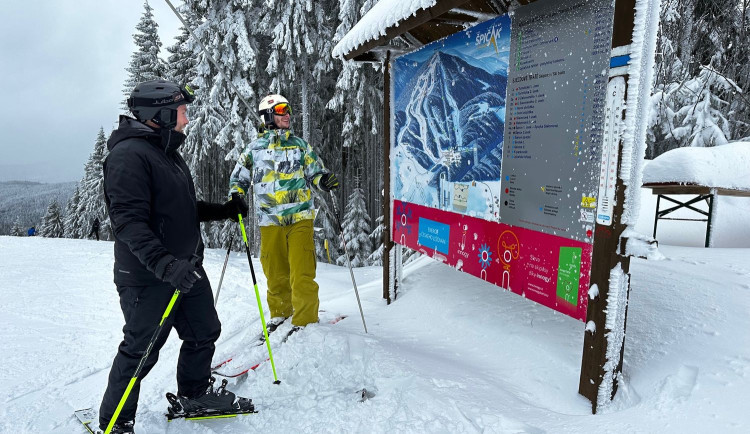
(726, 166)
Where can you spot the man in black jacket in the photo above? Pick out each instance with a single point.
(155, 220)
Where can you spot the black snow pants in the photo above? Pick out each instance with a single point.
(197, 324)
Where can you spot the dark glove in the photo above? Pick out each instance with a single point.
(236, 205)
(328, 182)
(182, 274)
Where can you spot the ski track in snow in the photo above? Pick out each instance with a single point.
(452, 355)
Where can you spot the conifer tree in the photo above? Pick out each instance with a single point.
(145, 63)
(220, 123)
(701, 121)
(71, 210)
(376, 238)
(90, 203)
(356, 227)
(300, 37)
(326, 234)
(17, 229)
(702, 75)
(357, 106)
(180, 67)
(52, 222)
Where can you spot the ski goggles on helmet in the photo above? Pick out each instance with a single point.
(188, 92)
(282, 109)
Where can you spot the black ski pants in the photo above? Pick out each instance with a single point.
(197, 324)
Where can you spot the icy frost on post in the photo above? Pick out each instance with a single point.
(617, 302)
(640, 77)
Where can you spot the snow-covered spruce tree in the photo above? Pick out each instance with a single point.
(325, 231)
(300, 37)
(90, 203)
(694, 35)
(700, 119)
(356, 225)
(52, 225)
(17, 229)
(220, 124)
(357, 106)
(71, 210)
(376, 238)
(145, 63)
(180, 67)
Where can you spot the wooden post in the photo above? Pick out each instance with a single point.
(598, 362)
(656, 215)
(713, 199)
(387, 242)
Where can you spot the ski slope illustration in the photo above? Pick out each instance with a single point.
(449, 121)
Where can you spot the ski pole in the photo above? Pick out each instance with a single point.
(257, 296)
(151, 343)
(346, 253)
(223, 269)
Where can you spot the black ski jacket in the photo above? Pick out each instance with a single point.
(151, 203)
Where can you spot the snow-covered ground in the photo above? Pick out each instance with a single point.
(452, 354)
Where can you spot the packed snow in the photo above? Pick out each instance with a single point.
(726, 166)
(451, 354)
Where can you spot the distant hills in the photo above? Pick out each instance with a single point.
(29, 200)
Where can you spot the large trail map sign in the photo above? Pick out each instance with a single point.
(449, 121)
(496, 140)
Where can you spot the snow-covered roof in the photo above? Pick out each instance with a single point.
(385, 14)
(726, 166)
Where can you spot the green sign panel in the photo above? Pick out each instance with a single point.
(568, 273)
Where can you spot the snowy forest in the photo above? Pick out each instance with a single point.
(700, 98)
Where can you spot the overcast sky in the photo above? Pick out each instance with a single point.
(62, 69)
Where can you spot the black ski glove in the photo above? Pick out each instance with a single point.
(182, 274)
(328, 182)
(236, 205)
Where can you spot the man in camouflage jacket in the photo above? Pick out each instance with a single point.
(282, 170)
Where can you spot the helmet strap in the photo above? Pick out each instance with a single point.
(268, 120)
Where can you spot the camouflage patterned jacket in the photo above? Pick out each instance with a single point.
(281, 168)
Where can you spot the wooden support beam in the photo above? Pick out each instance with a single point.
(606, 314)
(387, 242)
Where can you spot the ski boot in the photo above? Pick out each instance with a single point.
(212, 402)
(292, 331)
(126, 427)
(275, 322)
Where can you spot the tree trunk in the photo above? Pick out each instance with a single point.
(305, 101)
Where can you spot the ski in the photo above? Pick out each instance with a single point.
(241, 373)
(257, 341)
(228, 374)
(206, 415)
(89, 419)
(175, 411)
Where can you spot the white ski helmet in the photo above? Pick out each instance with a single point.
(266, 109)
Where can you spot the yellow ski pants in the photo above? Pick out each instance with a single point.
(287, 254)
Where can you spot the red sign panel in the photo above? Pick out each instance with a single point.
(550, 270)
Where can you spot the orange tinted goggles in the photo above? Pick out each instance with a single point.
(282, 109)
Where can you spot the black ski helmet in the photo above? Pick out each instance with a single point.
(157, 101)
